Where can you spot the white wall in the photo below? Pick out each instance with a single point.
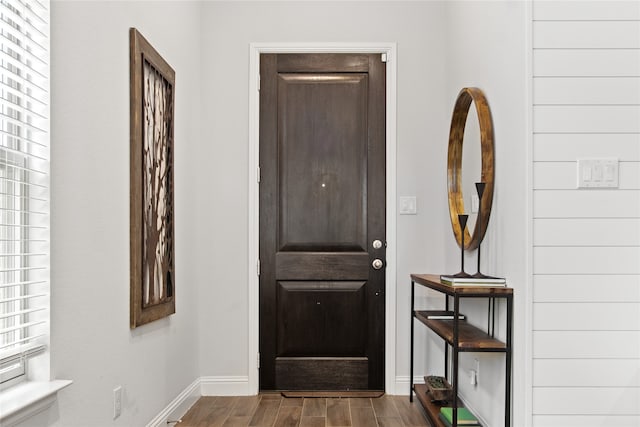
(486, 45)
(90, 188)
(586, 285)
(208, 45)
(222, 160)
(91, 341)
(489, 52)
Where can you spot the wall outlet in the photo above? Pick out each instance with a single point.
(117, 402)
(477, 370)
(473, 377)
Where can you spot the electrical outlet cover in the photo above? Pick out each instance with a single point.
(117, 402)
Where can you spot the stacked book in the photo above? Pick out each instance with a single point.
(465, 417)
(473, 281)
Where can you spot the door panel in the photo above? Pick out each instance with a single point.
(322, 203)
(317, 373)
(322, 265)
(323, 161)
(329, 63)
(332, 310)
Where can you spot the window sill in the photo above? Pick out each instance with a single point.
(27, 399)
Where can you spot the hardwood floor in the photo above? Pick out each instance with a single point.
(273, 410)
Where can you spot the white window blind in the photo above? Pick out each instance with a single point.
(24, 183)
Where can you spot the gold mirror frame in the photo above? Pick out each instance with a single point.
(454, 165)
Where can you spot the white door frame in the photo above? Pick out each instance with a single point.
(389, 50)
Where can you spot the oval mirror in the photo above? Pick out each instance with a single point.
(457, 189)
(471, 166)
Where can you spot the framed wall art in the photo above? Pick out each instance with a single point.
(152, 92)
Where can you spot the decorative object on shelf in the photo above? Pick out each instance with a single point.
(151, 85)
(473, 281)
(465, 239)
(480, 186)
(444, 315)
(462, 220)
(438, 388)
(465, 417)
(454, 164)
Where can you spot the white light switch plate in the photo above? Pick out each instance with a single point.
(598, 173)
(408, 205)
(475, 203)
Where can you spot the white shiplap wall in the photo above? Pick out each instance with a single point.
(586, 255)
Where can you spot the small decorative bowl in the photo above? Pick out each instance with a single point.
(438, 387)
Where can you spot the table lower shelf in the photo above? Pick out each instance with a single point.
(432, 410)
(470, 338)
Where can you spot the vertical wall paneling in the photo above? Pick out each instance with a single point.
(586, 242)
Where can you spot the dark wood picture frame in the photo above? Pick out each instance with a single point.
(152, 94)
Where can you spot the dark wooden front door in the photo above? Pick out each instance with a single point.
(322, 205)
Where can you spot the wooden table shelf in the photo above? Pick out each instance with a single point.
(432, 281)
(432, 409)
(470, 338)
(460, 336)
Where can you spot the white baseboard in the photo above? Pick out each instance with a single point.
(402, 383)
(225, 386)
(178, 406)
(203, 386)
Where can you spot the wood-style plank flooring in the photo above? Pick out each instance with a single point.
(273, 410)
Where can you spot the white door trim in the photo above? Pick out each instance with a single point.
(390, 50)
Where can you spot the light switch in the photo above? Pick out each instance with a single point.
(408, 205)
(610, 172)
(598, 173)
(475, 203)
